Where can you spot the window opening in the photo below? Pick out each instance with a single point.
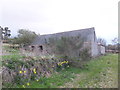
(41, 48)
(32, 47)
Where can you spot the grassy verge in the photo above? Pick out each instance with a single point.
(7, 50)
(98, 73)
(12, 56)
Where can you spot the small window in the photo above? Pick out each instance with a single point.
(32, 47)
(41, 48)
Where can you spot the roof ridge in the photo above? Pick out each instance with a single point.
(92, 28)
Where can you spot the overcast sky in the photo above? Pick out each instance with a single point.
(52, 16)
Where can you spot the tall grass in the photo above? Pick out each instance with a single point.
(101, 72)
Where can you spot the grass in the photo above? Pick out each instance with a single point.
(98, 73)
(57, 79)
(12, 56)
(9, 50)
(11, 53)
(101, 72)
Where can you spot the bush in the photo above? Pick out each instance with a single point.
(85, 55)
(71, 48)
(67, 46)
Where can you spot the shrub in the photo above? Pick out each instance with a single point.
(67, 46)
(71, 48)
(85, 55)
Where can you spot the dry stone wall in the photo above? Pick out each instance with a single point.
(29, 68)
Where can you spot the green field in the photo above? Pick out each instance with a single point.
(101, 72)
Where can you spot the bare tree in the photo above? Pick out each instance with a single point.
(4, 33)
(101, 41)
(115, 41)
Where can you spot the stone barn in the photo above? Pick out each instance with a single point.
(41, 44)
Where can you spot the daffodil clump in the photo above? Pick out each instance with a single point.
(34, 70)
(26, 85)
(25, 80)
(61, 63)
(21, 72)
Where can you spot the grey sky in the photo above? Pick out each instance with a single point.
(51, 16)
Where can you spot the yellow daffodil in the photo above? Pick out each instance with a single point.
(34, 72)
(34, 69)
(24, 71)
(23, 86)
(28, 84)
(37, 80)
(20, 71)
(64, 61)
